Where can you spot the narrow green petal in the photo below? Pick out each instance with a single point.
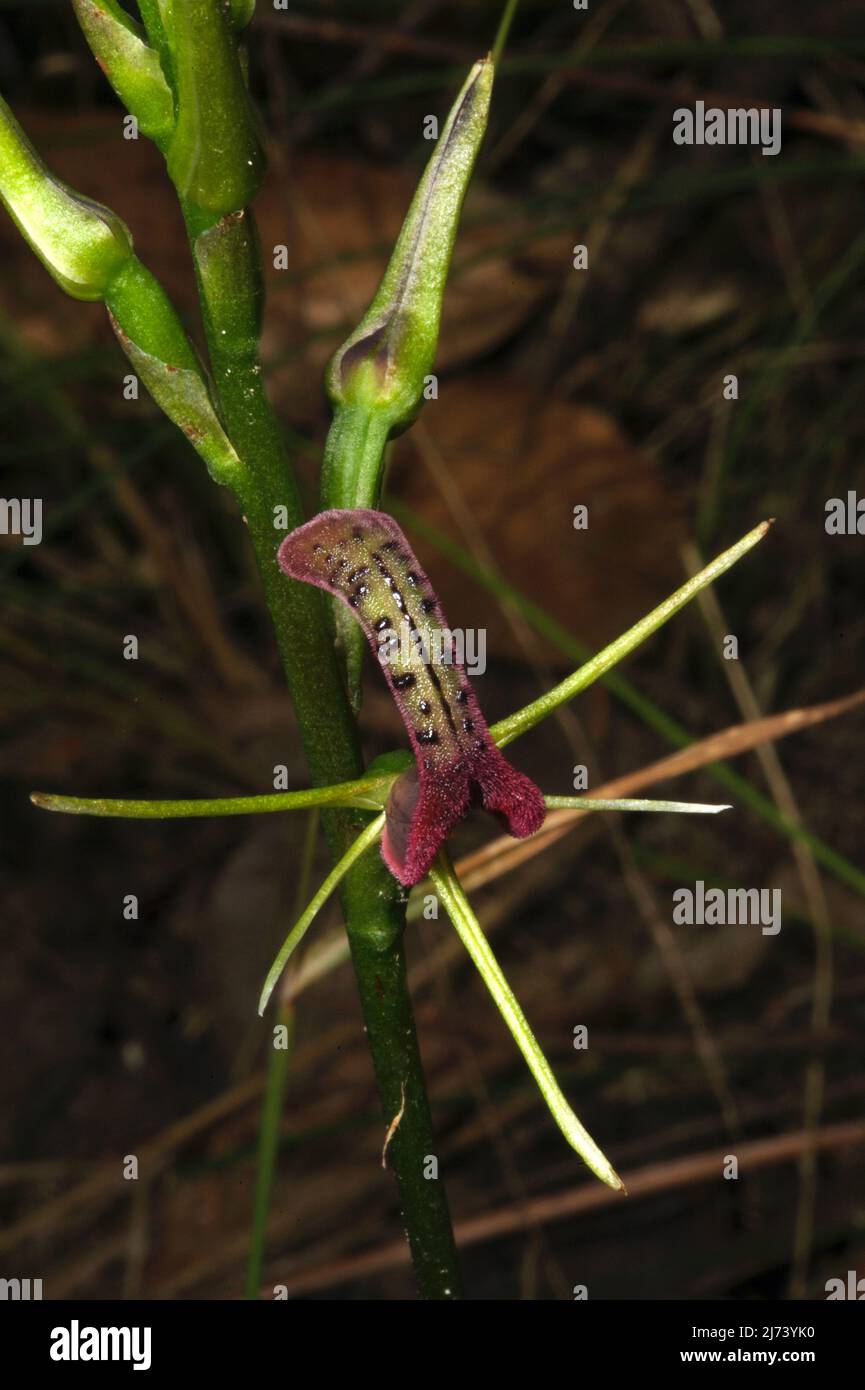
(364, 841)
(519, 723)
(368, 793)
(458, 908)
(629, 803)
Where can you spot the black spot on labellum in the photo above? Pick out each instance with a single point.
(381, 623)
(427, 605)
(412, 579)
(426, 736)
(356, 574)
(403, 682)
(462, 696)
(468, 725)
(424, 706)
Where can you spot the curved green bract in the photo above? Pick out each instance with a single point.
(154, 340)
(227, 253)
(215, 158)
(131, 66)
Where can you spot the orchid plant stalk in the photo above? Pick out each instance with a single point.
(181, 72)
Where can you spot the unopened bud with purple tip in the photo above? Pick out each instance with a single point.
(382, 365)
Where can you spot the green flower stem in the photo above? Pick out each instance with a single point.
(229, 275)
(351, 476)
(228, 269)
(380, 967)
(470, 932)
(375, 938)
(351, 472)
(517, 724)
(373, 910)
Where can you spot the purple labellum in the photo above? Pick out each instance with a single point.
(363, 558)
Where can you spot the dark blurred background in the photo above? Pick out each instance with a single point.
(556, 387)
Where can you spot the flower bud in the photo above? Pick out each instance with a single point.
(382, 365)
(81, 243)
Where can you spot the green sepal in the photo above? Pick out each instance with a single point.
(351, 476)
(215, 156)
(82, 244)
(131, 66)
